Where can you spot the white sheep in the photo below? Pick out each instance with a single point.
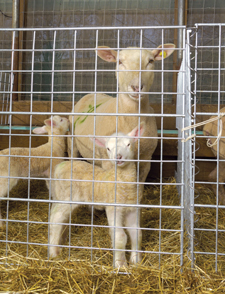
(132, 98)
(211, 129)
(120, 151)
(18, 166)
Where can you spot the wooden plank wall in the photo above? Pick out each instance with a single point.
(169, 145)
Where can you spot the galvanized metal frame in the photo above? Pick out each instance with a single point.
(194, 90)
(180, 115)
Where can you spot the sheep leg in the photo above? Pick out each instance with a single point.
(132, 220)
(213, 178)
(5, 184)
(59, 214)
(119, 234)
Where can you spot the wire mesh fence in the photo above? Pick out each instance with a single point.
(206, 81)
(56, 75)
(50, 89)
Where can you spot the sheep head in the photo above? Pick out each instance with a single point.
(120, 147)
(135, 72)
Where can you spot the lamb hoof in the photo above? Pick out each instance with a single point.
(135, 258)
(54, 252)
(121, 265)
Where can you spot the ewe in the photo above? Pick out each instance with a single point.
(211, 129)
(132, 98)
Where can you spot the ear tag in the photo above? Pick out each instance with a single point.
(164, 54)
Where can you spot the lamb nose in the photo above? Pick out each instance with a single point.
(135, 88)
(119, 156)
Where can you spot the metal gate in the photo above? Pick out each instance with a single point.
(58, 70)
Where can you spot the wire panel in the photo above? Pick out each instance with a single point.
(207, 80)
(30, 212)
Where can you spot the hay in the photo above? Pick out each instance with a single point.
(26, 269)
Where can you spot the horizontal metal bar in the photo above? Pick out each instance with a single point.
(91, 203)
(85, 247)
(88, 92)
(209, 206)
(89, 70)
(87, 225)
(92, 114)
(27, 128)
(93, 28)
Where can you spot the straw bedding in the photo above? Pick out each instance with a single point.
(26, 268)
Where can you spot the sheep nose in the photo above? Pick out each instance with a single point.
(136, 88)
(119, 156)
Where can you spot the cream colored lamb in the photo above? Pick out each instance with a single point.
(120, 151)
(211, 129)
(13, 164)
(132, 95)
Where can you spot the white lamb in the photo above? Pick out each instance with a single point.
(120, 151)
(135, 77)
(13, 164)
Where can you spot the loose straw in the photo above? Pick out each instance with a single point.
(219, 117)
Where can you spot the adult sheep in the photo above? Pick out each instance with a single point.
(130, 73)
(211, 129)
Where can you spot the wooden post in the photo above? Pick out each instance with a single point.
(15, 24)
(21, 37)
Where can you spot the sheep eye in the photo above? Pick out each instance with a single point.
(108, 149)
(120, 62)
(128, 145)
(150, 61)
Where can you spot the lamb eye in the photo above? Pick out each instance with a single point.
(128, 145)
(120, 62)
(150, 61)
(108, 149)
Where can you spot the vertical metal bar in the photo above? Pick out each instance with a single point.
(180, 10)
(138, 154)
(10, 133)
(51, 135)
(184, 97)
(2, 87)
(115, 165)
(218, 156)
(161, 147)
(72, 138)
(192, 202)
(95, 97)
(8, 97)
(31, 109)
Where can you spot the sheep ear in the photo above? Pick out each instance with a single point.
(41, 130)
(107, 54)
(137, 131)
(98, 141)
(50, 122)
(167, 51)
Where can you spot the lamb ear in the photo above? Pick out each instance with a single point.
(107, 55)
(41, 130)
(167, 51)
(50, 122)
(137, 131)
(98, 141)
